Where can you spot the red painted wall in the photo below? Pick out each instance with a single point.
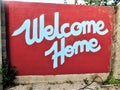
(32, 58)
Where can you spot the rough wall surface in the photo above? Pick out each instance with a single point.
(117, 44)
(64, 86)
(75, 82)
(0, 49)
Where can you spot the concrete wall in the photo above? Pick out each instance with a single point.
(116, 43)
(79, 77)
(115, 57)
(0, 49)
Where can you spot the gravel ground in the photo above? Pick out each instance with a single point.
(64, 86)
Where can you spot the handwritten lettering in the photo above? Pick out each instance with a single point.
(50, 32)
(69, 50)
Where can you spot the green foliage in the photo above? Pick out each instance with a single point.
(93, 2)
(116, 2)
(112, 80)
(8, 73)
(101, 2)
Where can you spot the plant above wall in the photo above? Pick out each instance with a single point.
(102, 2)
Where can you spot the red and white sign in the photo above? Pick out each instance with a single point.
(50, 39)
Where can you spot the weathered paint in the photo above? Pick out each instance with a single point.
(34, 57)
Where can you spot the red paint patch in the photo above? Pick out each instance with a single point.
(31, 59)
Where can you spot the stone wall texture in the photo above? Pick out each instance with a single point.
(117, 44)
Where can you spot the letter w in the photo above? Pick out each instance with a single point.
(26, 26)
